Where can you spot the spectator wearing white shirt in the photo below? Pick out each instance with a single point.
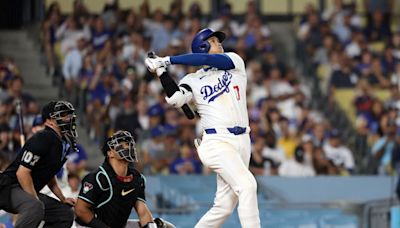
(272, 150)
(225, 20)
(70, 32)
(259, 163)
(297, 167)
(338, 153)
(71, 69)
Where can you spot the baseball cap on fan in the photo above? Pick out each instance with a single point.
(38, 120)
(335, 133)
(155, 110)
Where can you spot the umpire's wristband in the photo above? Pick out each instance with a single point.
(97, 223)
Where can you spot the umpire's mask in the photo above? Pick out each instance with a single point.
(64, 114)
(123, 144)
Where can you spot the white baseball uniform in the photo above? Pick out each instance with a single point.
(220, 96)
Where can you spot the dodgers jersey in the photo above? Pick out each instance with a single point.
(220, 95)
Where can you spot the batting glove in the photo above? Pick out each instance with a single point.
(153, 64)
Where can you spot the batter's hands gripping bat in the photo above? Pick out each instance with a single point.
(170, 87)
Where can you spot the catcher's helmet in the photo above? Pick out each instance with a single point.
(200, 44)
(123, 144)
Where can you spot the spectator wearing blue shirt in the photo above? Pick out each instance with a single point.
(77, 161)
(185, 163)
(100, 35)
(382, 149)
(165, 31)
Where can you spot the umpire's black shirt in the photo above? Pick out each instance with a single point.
(44, 153)
(111, 198)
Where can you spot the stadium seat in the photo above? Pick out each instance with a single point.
(377, 47)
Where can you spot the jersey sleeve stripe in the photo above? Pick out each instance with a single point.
(138, 198)
(86, 199)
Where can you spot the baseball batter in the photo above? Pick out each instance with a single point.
(219, 92)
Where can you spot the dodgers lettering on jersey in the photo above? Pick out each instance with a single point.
(220, 95)
(212, 92)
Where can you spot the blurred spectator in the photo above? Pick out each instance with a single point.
(6, 145)
(70, 32)
(48, 35)
(342, 28)
(286, 141)
(296, 167)
(225, 20)
(340, 155)
(154, 157)
(37, 125)
(382, 150)
(310, 32)
(345, 76)
(377, 29)
(373, 116)
(143, 118)
(322, 54)
(363, 98)
(259, 163)
(73, 186)
(272, 150)
(71, 70)
(100, 34)
(323, 165)
(156, 114)
(185, 163)
(15, 92)
(77, 161)
(128, 119)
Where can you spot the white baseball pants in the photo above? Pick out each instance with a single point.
(229, 155)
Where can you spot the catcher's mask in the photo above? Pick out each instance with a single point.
(64, 114)
(123, 144)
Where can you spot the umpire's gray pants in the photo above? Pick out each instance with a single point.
(32, 211)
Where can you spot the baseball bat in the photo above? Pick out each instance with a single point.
(170, 87)
(18, 109)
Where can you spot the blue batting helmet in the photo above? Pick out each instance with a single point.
(200, 44)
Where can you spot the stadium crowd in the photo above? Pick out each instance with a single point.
(362, 54)
(97, 60)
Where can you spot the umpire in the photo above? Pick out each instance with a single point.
(108, 194)
(42, 156)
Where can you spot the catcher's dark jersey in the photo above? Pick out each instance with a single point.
(111, 198)
(44, 153)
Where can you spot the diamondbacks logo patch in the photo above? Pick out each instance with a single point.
(87, 187)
